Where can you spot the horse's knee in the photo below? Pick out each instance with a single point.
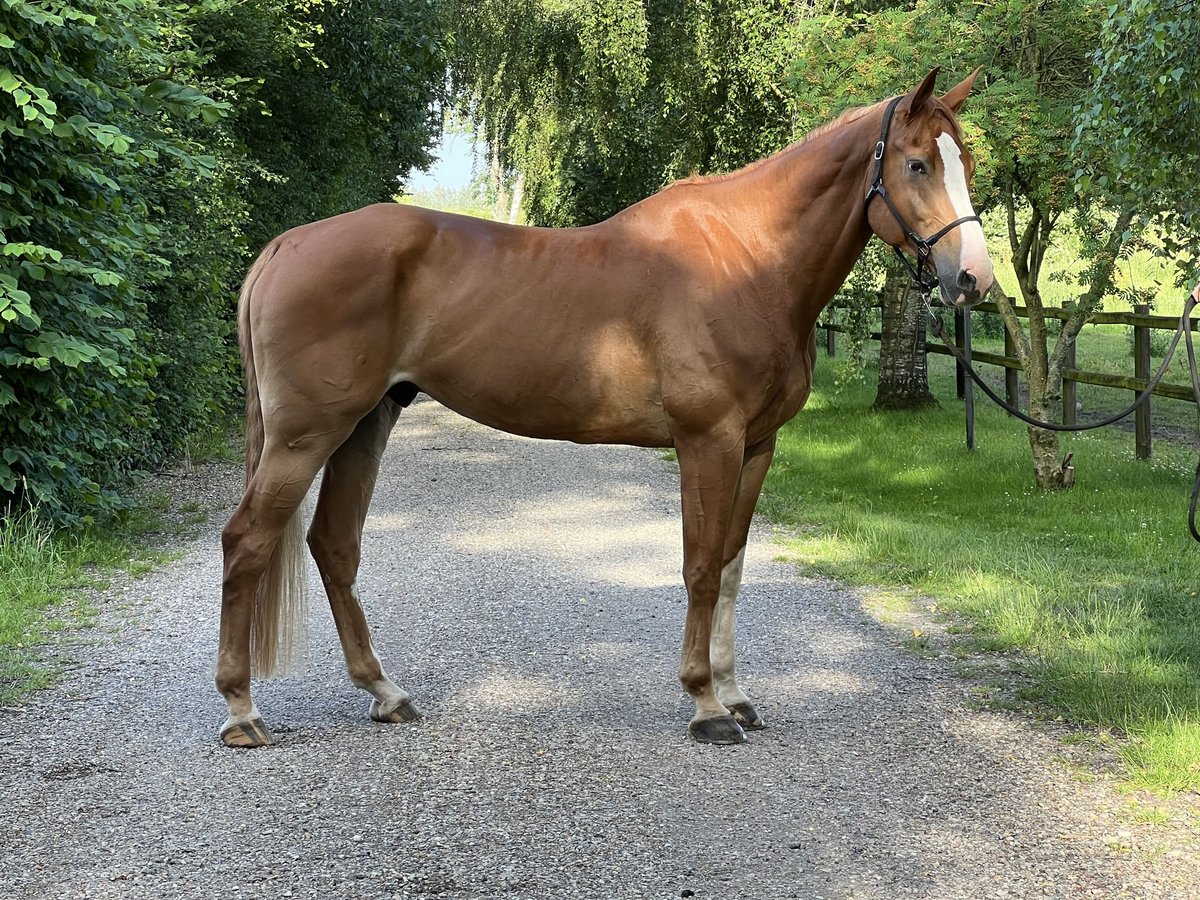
(696, 573)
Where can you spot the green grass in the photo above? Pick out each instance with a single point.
(44, 580)
(1098, 586)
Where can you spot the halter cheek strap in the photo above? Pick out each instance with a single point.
(924, 281)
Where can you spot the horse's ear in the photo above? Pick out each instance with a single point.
(954, 97)
(917, 99)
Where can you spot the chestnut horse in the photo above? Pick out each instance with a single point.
(683, 321)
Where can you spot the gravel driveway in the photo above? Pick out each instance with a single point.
(528, 594)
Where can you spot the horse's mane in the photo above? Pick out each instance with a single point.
(847, 117)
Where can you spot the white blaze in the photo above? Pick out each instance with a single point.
(973, 255)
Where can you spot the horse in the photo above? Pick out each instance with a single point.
(684, 321)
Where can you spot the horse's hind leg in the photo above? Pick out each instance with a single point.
(335, 539)
(257, 530)
(754, 471)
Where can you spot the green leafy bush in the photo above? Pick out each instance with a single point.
(80, 125)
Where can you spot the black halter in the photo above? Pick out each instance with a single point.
(924, 281)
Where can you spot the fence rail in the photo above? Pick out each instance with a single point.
(1140, 320)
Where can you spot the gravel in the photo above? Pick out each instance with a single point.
(528, 594)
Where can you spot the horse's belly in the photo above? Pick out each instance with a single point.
(600, 387)
(584, 417)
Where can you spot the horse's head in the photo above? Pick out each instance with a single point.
(921, 172)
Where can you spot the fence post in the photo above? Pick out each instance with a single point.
(1069, 390)
(966, 389)
(960, 341)
(830, 334)
(1012, 391)
(1141, 369)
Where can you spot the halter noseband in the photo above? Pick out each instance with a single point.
(923, 281)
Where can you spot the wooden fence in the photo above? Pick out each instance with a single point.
(1140, 320)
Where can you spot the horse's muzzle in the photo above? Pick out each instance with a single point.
(963, 290)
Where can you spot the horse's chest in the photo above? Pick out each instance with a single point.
(785, 391)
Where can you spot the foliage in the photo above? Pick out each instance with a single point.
(536, 77)
(336, 99)
(84, 117)
(1136, 128)
(600, 103)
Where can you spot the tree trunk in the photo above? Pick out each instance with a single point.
(1043, 365)
(903, 365)
(499, 188)
(1049, 472)
(1043, 369)
(518, 197)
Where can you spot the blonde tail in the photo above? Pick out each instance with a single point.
(279, 619)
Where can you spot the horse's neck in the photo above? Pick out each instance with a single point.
(808, 206)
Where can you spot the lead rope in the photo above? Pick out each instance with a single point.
(1195, 373)
(1184, 330)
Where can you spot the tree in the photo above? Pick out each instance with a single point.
(147, 149)
(598, 104)
(86, 111)
(903, 363)
(1136, 125)
(336, 99)
(1046, 49)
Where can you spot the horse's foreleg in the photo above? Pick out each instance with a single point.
(709, 468)
(335, 539)
(754, 470)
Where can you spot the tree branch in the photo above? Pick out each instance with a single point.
(1098, 286)
(1012, 321)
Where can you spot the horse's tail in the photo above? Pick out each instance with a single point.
(279, 617)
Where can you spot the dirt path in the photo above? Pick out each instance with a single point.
(528, 594)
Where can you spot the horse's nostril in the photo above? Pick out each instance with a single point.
(966, 282)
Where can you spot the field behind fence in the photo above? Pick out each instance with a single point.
(1130, 340)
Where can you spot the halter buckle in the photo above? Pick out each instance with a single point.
(879, 151)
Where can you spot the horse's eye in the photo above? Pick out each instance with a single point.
(916, 167)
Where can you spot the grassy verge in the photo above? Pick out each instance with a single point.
(1098, 585)
(45, 577)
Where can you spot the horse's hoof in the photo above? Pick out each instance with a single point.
(717, 730)
(246, 733)
(747, 716)
(395, 713)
